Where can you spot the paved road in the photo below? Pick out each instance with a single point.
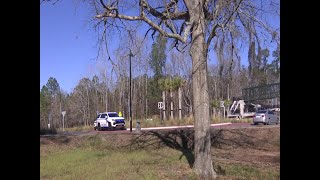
(213, 126)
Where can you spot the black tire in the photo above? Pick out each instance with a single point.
(255, 123)
(99, 127)
(109, 126)
(94, 128)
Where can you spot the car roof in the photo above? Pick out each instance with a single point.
(107, 112)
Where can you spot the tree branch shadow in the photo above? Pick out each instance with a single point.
(183, 141)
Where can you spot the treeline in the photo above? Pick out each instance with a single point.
(156, 78)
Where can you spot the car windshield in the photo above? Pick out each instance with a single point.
(113, 115)
(264, 111)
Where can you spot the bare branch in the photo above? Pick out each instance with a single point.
(150, 9)
(130, 18)
(233, 12)
(164, 15)
(262, 24)
(213, 31)
(164, 33)
(212, 34)
(171, 3)
(102, 3)
(171, 26)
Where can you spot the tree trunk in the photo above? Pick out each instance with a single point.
(120, 96)
(146, 95)
(88, 101)
(106, 100)
(203, 161)
(171, 105)
(179, 96)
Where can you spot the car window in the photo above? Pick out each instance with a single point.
(103, 116)
(262, 111)
(113, 115)
(270, 112)
(98, 116)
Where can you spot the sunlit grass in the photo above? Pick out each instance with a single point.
(83, 162)
(246, 172)
(109, 157)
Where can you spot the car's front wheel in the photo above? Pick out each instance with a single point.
(109, 126)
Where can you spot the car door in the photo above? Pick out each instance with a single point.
(268, 117)
(271, 117)
(95, 121)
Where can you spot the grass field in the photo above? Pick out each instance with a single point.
(237, 154)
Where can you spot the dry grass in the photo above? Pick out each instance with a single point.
(237, 154)
(156, 122)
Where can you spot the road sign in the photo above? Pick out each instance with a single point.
(160, 105)
(221, 104)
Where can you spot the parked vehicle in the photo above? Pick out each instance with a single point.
(268, 116)
(109, 120)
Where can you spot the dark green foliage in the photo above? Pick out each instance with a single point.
(158, 56)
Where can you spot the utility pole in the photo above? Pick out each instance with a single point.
(130, 112)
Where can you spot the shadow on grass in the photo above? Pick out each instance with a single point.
(183, 140)
(45, 131)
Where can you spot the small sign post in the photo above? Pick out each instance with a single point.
(160, 106)
(63, 113)
(222, 106)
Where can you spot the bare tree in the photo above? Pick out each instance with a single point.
(193, 22)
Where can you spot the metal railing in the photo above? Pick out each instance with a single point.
(268, 91)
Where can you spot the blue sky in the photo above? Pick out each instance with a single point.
(68, 44)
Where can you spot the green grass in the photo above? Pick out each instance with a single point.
(93, 158)
(104, 157)
(232, 120)
(99, 164)
(245, 172)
